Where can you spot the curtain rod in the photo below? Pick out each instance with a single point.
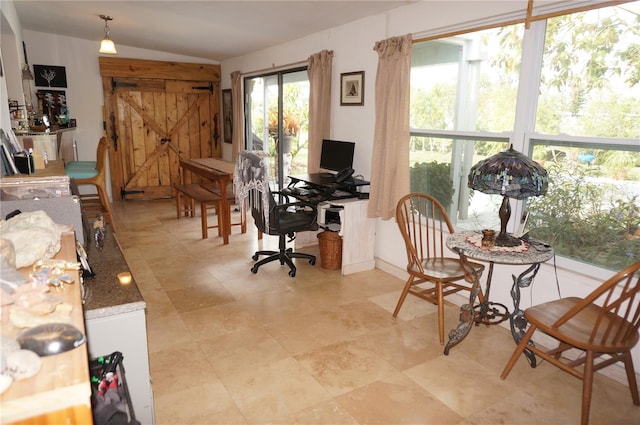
(526, 20)
(275, 68)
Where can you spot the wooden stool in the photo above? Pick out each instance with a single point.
(231, 197)
(193, 193)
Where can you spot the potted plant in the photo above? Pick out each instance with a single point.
(290, 128)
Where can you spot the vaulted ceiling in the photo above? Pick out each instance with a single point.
(211, 29)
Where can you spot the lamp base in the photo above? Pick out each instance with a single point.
(504, 239)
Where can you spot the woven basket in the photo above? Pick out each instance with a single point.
(330, 250)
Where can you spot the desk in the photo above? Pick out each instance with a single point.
(328, 189)
(532, 254)
(218, 171)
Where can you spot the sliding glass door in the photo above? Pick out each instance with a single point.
(277, 121)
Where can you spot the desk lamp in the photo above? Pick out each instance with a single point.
(512, 175)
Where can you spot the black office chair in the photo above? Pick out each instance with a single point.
(272, 218)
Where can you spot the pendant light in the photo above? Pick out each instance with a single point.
(106, 45)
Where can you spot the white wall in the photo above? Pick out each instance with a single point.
(10, 53)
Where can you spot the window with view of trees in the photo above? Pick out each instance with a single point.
(566, 92)
(277, 121)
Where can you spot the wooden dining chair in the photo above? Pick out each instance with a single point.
(604, 323)
(425, 225)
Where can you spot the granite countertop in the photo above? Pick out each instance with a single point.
(104, 295)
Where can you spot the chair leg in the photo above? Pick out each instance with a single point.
(203, 218)
(524, 342)
(587, 386)
(178, 202)
(403, 296)
(184, 205)
(631, 377)
(440, 312)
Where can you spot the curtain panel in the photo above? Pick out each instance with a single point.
(319, 72)
(237, 143)
(390, 159)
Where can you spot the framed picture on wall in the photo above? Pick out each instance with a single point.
(352, 88)
(50, 76)
(52, 103)
(227, 116)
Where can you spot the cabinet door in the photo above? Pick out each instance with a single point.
(155, 114)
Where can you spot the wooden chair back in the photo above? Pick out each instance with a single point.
(101, 154)
(617, 319)
(424, 225)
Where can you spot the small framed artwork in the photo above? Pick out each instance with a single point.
(50, 76)
(52, 103)
(352, 88)
(227, 116)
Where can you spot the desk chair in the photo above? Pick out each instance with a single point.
(425, 225)
(605, 322)
(283, 220)
(93, 173)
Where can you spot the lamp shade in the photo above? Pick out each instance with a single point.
(509, 173)
(107, 46)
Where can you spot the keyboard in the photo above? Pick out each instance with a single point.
(341, 193)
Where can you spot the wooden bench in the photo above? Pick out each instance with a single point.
(188, 194)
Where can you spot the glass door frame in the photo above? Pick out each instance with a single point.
(248, 81)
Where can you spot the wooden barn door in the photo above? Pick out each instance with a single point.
(153, 122)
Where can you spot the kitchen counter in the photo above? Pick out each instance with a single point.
(104, 295)
(115, 321)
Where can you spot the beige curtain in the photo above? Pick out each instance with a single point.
(319, 71)
(390, 162)
(238, 116)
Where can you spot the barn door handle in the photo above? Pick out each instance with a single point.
(209, 87)
(165, 140)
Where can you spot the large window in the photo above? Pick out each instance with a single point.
(565, 92)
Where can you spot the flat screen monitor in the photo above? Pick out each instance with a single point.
(336, 155)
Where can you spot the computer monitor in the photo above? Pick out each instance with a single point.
(336, 155)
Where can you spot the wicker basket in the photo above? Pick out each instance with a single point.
(330, 250)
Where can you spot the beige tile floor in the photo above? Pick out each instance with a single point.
(230, 347)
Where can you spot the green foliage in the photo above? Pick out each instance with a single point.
(584, 220)
(433, 109)
(434, 179)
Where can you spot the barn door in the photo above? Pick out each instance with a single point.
(158, 122)
(152, 123)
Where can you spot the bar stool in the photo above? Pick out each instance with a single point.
(93, 173)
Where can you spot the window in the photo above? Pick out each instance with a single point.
(278, 120)
(573, 105)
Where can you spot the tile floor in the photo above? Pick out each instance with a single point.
(230, 347)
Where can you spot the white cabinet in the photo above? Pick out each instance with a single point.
(58, 145)
(42, 143)
(126, 332)
(358, 234)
